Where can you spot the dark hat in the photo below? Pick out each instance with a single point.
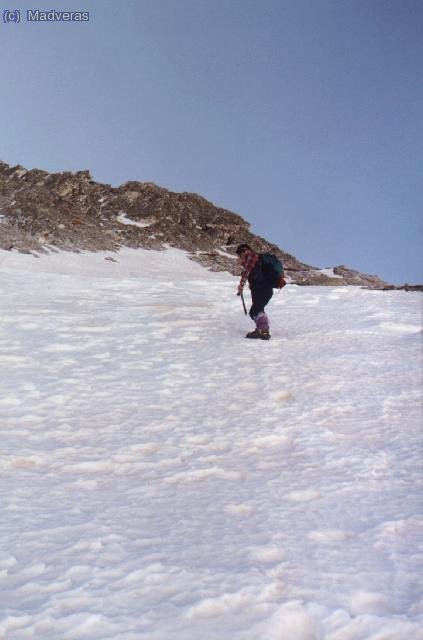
(242, 247)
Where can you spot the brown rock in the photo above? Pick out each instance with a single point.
(72, 212)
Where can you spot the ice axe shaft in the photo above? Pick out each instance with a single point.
(243, 303)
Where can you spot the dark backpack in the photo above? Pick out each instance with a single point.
(272, 269)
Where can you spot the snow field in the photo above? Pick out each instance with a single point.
(164, 478)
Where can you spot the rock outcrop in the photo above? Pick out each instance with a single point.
(42, 212)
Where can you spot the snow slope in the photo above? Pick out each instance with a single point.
(163, 478)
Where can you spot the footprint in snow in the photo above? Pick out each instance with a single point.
(307, 495)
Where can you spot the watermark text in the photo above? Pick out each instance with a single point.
(35, 15)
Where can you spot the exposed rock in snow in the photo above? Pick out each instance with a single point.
(70, 211)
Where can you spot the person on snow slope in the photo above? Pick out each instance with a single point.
(261, 290)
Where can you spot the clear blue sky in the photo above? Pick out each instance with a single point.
(304, 116)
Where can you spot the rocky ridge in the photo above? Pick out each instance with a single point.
(42, 212)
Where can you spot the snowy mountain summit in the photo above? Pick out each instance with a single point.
(41, 212)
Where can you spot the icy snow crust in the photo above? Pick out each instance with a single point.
(164, 478)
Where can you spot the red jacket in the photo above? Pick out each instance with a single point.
(249, 261)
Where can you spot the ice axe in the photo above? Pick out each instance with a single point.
(243, 303)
